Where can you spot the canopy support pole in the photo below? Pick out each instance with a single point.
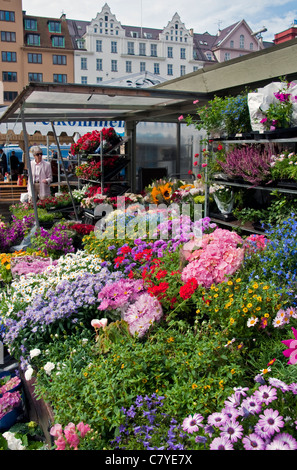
(63, 165)
(29, 169)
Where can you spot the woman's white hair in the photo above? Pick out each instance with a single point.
(35, 149)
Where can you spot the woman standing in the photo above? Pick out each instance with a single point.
(41, 174)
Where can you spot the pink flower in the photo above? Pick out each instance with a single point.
(204, 165)
(196, 101)
(99, 323)
(291, 353)
(180, 118)
(83, 428)
(56, 430)
(60, 443)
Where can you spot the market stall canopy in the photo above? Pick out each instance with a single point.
(56, 103)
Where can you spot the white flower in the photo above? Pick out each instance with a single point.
(99, 323)
(34, 352)
(29, 373)
(49, 366)
(13, 442)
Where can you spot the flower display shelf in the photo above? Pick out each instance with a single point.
(286, 186)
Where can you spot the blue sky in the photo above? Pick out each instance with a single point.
(275, 15)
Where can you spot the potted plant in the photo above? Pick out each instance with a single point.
(249, 162)
(227, 115)
(224, 198)
(284, 169)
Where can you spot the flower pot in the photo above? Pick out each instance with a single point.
(291, 184)
(225, 205)
(9, 419)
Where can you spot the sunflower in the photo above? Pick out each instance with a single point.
(161, 193)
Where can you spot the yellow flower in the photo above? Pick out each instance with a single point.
(232, 321)
(232, 371)
(238, 280)
(249, 305)
(194, 386)
(230, 283)
(170, 340)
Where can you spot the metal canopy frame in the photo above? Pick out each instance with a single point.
(55, 102)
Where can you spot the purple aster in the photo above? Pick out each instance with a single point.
(250, 405)
(293, 388)
(230, 412)
(266, 394)
(271, 421)
(277, 445)
(233, 400)
(278, 384)
(287, 439)
(241, 390)
(192, 423)
(221, 443)
(232, 430)
(253, 442)
(217, 419)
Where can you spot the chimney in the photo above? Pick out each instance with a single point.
(191, 32)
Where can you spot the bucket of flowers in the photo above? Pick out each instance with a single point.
(10, 400)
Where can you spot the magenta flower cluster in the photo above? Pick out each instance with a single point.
(8, 402)
(10, 384)
(248, 422)
(248, 162)
(13, 233)
(30, 265)
(53, 243)
(217, 255)
(133, 303)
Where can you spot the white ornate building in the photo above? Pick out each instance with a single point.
(104, 49)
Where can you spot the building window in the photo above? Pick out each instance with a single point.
(35, 77)
(182, 70)
(128, 66)
(170, 52)
(58, 41)
(130, 48)
(59, 59)
(8, 56)
(114, 47)
(84, 80)
(142, 48)
(30, 25)
(153, 50)
(7, 15)
(241, 41)
(182, 53)
(169, 69)
(195, 68)
(231, 44)
(98, 45)
(10, 95)
(99, 79)
(54, 26)
(142, 66)
(157, 68)
(60, 78)
(80, 43)
(114, 65)
(33, 40)
(8, 36)
(9, 77)
(251, 46)
(227, 56)
(34, 58)
(208, 55)
(83, 63)
(99, 64)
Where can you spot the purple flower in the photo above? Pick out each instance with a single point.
(221, 443)
(271, 421)
(232, 430)
(192, 423)
(266, 394)
(253, 442)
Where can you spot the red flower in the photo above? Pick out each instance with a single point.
(188, 289)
